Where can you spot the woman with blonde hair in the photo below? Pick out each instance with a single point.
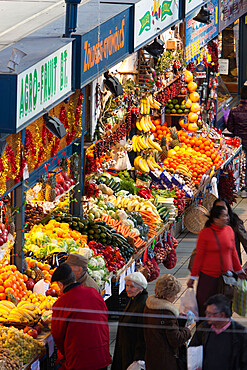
(163, 336)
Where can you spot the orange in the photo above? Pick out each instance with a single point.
(188, 104)
(2, 296)
(188, 76)
(192, 86)
(8, 283)
(1, 289)
(193, 117)
(159, 132)
(194, 97)
(8, 290)
(160, 136)
(195, 107)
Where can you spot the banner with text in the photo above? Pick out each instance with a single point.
(43, 84)
(198, 34)
(230, 11)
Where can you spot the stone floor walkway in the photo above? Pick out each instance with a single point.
(187, 242)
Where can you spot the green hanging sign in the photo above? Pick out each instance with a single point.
(166, 9)
(145, 22)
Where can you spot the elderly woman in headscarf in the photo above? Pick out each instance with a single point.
(130, 345)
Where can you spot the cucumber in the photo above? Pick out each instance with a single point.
(107, 181)
(115, 185)
(162, 209)
(117, 188)
(103, 223)
(111, 182)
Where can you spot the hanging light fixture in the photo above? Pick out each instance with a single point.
(156, 48)
(203, 16)
(54, 125)
(113, 84)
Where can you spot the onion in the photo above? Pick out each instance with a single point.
(2, 226)
(1, 241)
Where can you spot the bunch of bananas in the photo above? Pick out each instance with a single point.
(154, 104)
(141, 142)
(135, 203)
(24, 312)
(145, 106)
(5, 309)
(145, 165)
(184, 170)
(145, 124)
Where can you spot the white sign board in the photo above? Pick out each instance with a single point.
(44, 83)
(192, 4)
(224, 66)
(153, 16)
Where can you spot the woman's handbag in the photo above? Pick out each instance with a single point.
(240, 298)
(226, 282)
(192, 257)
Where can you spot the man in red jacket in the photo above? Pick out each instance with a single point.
(80, 324)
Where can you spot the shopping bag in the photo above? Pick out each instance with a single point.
(195, 358)
(240, 298)
(188, 302)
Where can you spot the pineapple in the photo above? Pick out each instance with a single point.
(164, 154)
(174, 138)
(10, 297)
(38, 273)
(43, 181)
(64, 166)
(50, 192)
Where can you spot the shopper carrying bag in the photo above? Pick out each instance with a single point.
(207, 264)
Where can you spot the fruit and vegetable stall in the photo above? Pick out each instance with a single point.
(152, 157)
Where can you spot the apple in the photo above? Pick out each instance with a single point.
(65, 176)
(183, 91)
(60, 179)
(61, 189)
(30, 284)
(4, 237)
(26, 329)
(33, 333)
(66, 186)
(51, 292)
(37, 328)
(1, 241)
(57, 191)
(2, 226)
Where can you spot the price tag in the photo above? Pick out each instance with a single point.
(107, 290)
(50, 343)
(163, 115)
(35, 365)
(132, 267)
(122, 282)
(151, 253)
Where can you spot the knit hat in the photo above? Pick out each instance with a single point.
(77, 260)
(167, 286)
(61, 273)
(138, 278)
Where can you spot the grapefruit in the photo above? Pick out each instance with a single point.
(195, 107)
(192, 86)
(188, 76)
(193, 117)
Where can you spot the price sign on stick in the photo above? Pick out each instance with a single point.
(163, 115)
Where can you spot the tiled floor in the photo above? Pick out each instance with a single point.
(187, 242)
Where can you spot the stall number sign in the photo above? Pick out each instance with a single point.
(44, 83)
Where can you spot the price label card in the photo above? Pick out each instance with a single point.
(35, 365)
(50, 343)
(132, 267)
(107, 290)
(122, 282)
(163, 115)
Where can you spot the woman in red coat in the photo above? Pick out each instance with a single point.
(207, 262)
(80, 324)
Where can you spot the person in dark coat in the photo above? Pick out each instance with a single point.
(224, 340)
(164, 337)
(237, 124)
(130, 344)
(79, 324)
(236, 224)
(79, 266)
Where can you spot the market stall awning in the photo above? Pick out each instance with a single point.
(34, 74)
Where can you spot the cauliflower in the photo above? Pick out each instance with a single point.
(87, 252)
(93, 263)
(101, 262)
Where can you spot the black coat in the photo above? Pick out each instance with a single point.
(130, 344)
(238, 338)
